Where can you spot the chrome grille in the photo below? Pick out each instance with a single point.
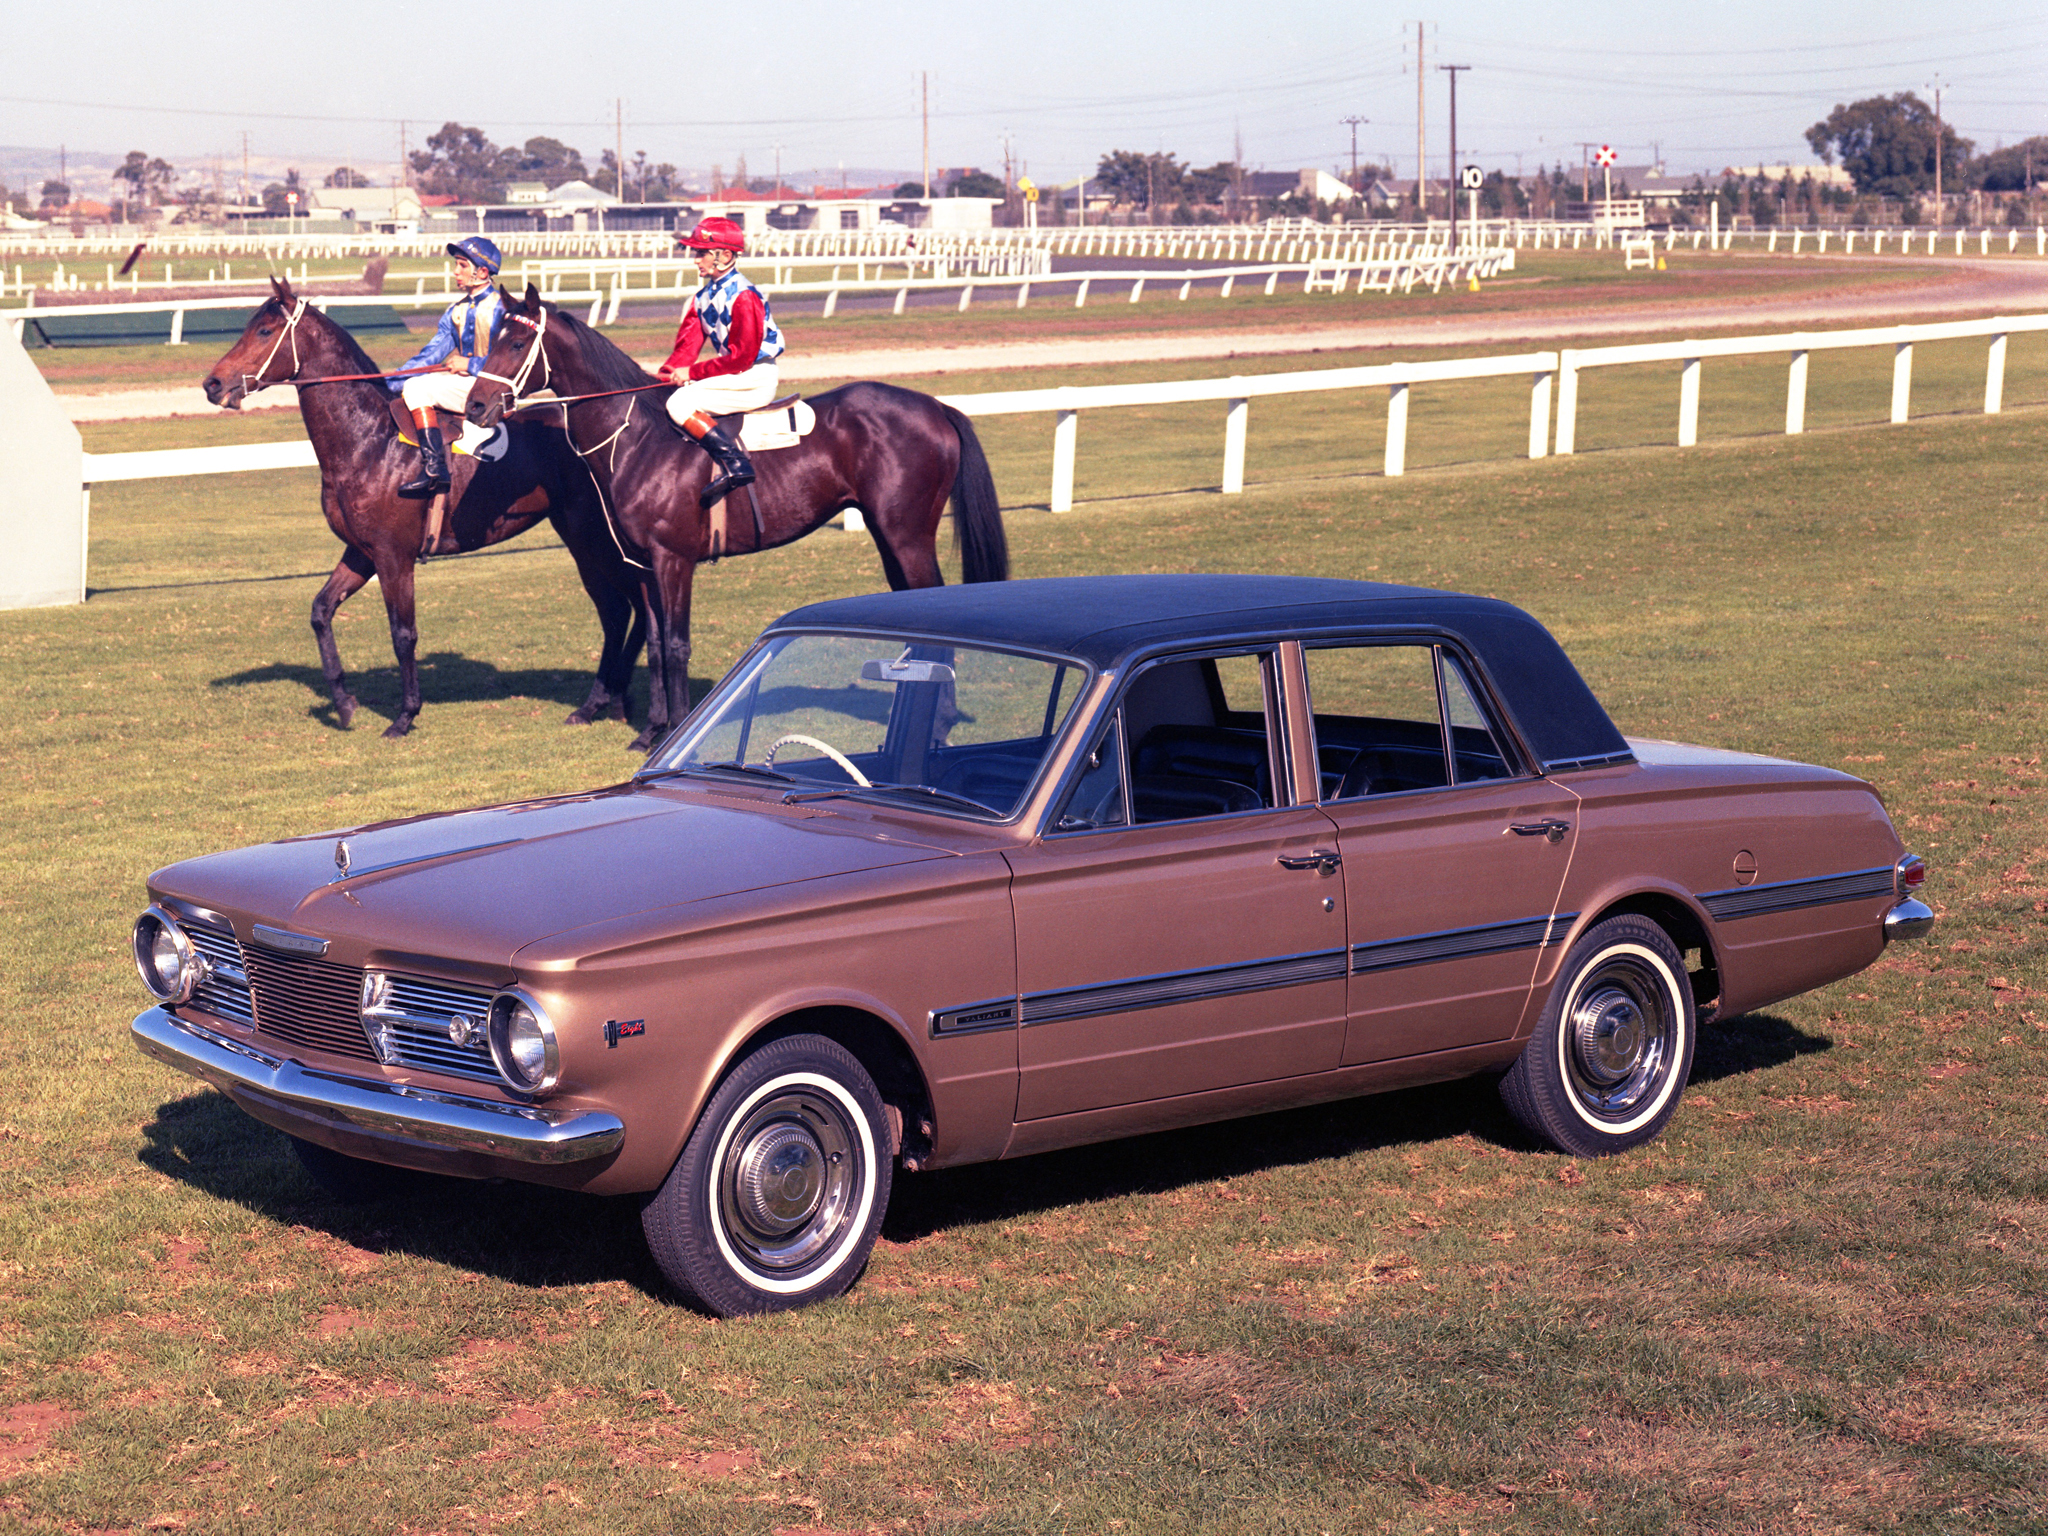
(225, 992)
(413, 1023)
(309, 1002)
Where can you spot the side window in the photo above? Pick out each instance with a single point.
(1381, 721)
(1479, 755)
(1097, 799)
(1192, 738)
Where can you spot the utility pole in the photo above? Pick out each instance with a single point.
(924, 88)
(778, 170)
(1586, 148)
(1937, 151)
(245, 169)
(1354, 122)
(1421, 165)
(1451, 185)
(619, 150)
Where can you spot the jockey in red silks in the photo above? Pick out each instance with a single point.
(740, 375)
(461, 343)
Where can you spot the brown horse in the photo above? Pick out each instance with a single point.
(363, 460)
(897, 455)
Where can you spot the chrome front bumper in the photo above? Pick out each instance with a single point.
(414, 1127)
(1910, 919)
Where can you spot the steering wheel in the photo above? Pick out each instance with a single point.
(832, 752)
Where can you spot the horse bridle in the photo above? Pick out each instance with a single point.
(291, 330)
(515, 386)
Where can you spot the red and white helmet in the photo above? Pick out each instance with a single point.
(717, 234)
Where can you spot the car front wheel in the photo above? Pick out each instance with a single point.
(1603, 1070)
(781, 1187)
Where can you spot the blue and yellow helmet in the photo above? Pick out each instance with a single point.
(480, 251)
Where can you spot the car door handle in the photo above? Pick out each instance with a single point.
(1323, 861)
(1550, 829)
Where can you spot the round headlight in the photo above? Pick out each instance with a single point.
(170, 967)
(523, 1044)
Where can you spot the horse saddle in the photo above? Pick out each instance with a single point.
(779, 424)
(487, 444)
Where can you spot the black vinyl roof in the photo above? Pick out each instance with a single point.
(1108, 620)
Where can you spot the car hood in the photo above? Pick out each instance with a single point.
(482, 884)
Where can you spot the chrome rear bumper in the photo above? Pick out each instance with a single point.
(1910, 919)
(414, 1127)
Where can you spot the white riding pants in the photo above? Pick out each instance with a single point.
(724, 394)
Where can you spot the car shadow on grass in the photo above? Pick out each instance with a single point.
(1229, 1149)
(446, 677)
(533, 1236)
(521, 1233)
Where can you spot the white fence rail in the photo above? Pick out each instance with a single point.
(1545, 370)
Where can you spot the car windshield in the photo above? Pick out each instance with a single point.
(952, 727)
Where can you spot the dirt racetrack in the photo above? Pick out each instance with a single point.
(1955, 288)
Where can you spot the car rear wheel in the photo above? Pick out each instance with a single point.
(781, 1187)
(1604, 1068)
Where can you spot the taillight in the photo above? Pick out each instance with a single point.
(1907, 875)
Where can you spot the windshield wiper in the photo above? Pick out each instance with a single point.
(799, 796)
(751, 770)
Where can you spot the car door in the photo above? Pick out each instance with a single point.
(1177, 929)
(1453, 854)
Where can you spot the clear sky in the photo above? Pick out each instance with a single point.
(1707, 83)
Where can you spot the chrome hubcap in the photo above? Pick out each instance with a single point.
(789, 1179)
(1619, 1036)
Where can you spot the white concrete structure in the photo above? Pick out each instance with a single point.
(42, 464)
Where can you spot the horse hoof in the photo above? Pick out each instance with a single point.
(645, 741)
(398, 728)
(345, 710)
(581, 716)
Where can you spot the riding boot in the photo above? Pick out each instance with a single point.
(735, 469)
(433, 474)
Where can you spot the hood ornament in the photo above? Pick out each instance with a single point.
(341, 854)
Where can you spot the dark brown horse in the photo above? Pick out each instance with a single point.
(897, 455)
(362, 463)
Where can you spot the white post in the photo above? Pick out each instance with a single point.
(1227, 281)
(1064, 432)
(1795, 396)
(1539, 416)
(1397, 430)
(1567, 403)
(1994, 377)
(901, 295)
(1688, 402)
(177, 328)
(1902, 381)
(1233, 446)
(966, 296)
(1081, 295)
(1272, 282)
(1137, 289)
(1023, 294)
(831, 303)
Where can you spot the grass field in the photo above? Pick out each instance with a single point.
(1817, 1304)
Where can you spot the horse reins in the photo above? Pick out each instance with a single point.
(291, 330)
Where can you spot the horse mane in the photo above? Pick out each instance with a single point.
(343, 336)
(609, 366)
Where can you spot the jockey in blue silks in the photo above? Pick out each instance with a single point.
(460, 344)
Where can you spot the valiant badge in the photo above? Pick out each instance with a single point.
(341, 854)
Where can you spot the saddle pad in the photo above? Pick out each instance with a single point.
(780, 426)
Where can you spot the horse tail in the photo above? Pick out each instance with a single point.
(977, 516)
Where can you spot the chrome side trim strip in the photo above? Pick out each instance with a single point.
(284, 1094)
(1789, 895)
(1461, 943)
(1128, 994)
(972, 1018)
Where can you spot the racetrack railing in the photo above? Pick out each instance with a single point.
(1550, 374)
